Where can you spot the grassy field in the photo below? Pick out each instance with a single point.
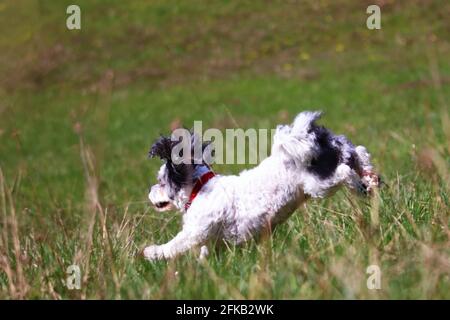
(79, 110)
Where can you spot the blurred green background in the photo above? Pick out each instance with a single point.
(79, 110)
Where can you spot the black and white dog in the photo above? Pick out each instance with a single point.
(306, 161)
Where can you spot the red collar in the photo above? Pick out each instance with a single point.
(198, 186)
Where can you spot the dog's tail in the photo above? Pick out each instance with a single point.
(298, 141)
(304, 122)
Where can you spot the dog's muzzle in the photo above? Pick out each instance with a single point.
(159, 198)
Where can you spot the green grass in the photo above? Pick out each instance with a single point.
(80, 109)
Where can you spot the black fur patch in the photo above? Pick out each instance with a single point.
(179, 175)
(328, 157)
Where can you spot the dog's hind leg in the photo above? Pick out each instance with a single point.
(363, 158)
(369, 178)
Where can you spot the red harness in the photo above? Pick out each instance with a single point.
(198, 186)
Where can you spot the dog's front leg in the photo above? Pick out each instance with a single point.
(182, 242)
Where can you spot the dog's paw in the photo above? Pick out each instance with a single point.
(367, 184)
(153, 252)
(370, 181)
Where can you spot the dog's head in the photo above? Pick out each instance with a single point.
(181, 168)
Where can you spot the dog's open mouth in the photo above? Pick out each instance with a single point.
(162, 206)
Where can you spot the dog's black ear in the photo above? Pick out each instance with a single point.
(178, 174)
(162, 148)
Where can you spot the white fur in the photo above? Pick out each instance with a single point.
(236, 208)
